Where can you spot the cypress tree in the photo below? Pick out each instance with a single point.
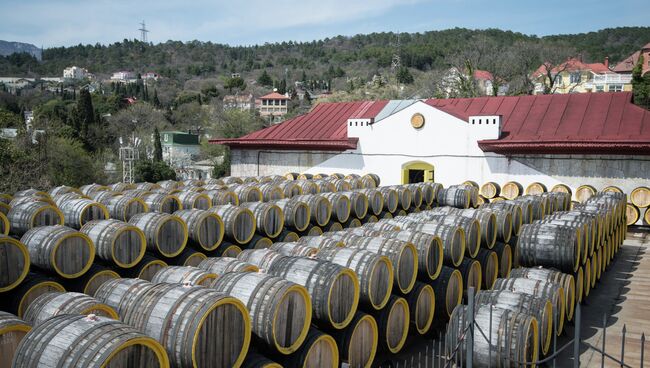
(641, 85)
(156, 101)
(85, 114)
(157, 145)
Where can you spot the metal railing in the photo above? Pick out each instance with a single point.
(460, 354)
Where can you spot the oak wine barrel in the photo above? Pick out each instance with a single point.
(320, 207)
(268, 217)
(288, 236)
(120, 187)
(549, 245)
(341, 206)
(165, 203)
(358, 342)
(258, 242)
(205, 229)
(296, 213)
(472, 273)
(321, 242)
(568, 283)
(12, 332)
(375, 200)
(512, 190)
(262, 258)
(585, 192)
(15, 261)
(632, 214)
(166, 234)
(223, 265)
(391, 198)
(194, 200)
(536, 188)
(334, 289)
(422, 304)
(29, 215)
(318, 351)
(145, 269)
(211, 329)
(490, 190)
(289, 188)
(55, 303)
(90, 281)
(79, 211)
(271, 192)
(185, 275)
(116, 242)
(393, 324)
(505, 256)
(239, 222)
(17, 300)
(123, 208)
(60, 249)
(280, 310)
(562, 188)
(256, 360)
(453, 238)
(448, 288)
(489, 261)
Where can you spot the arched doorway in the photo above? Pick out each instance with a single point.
(417, 172)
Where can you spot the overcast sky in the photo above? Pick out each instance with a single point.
(243, 22)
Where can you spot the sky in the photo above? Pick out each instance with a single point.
(51, 23)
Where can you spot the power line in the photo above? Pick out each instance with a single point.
(143, 32)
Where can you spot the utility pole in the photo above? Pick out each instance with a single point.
(397, 59)
(143, 32)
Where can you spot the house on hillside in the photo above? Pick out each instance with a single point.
(599, 139)
(272, 106)
(179, 149)
(75, 73)
(484, 82)
(576, 76)
(626, 66)
(123, 76)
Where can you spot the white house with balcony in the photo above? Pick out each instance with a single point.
(273, 106)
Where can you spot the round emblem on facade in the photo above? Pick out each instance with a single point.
(417, 121)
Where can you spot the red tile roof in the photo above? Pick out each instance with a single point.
(571, 65)
(589, 123)
(274, 96)
(483, 75)
(630, 62)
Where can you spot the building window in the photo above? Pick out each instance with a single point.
(616, 88)
(600, 88)
(166, 138)
(576, 77)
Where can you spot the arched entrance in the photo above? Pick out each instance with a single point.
(417, 172)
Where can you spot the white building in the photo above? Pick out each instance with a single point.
(179, 149)
(597, 139)
(74, 73)
(122, 76)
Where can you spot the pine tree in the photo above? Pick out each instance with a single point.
(157, 145)
(404, 76)
(265, 79)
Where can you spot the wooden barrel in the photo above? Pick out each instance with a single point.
(422, 304)
(116, 242)
(391, 198)
(568, 283)
(226, 249)
(195, 200)
(120, 187)
(453, 239)
(63, 189)
(268, 216)
(294, 249)
(341, 206)
(402, 254)
(561, 188)
(458, 197)
(289, 188)
(505, 256)
(15, 261)
(140, 192)
(540, 308)
(258, 242)
(223, 265)
(147, 186)
(471, 227)
(489, 261)
(4, 224)
(448, 288)
(257, 360)
(549, 245)
(34, 285)
(271, 192)
(31, 192)
(55, 303)
(536, 188)
(375, 273)
(90, 281)
(205, 229)
(166, 234)
(333, 226)
(541, 289)
(320, 207)
(247, 193)
(307, 187)
(429, 248)
(18, 200)
(220, 197)
(393, 324)
(280, 310)
(358, 203)
(351, 223)
(490, 190)
(5, 198)
(513, 336)
(60, 249)
(342, 185)
(320, 242)
(334, 289)
(92, 188)
(375, 200)
(537, 204)
(417, 197)
(185, 275)
(232, 180)
(404, 196)
(145, 270)
(512, 190)
(318, 350)
(288, 236)
(582, 230)
(612, 189)
(325, 186)
(472, 275)
(262, 258)
(91, 341)
(516, 214)
(296, 213)
(358, 342)
(123, 208)
(188, 257)
(646, 217)
(12, 332)
(488, 225)
(4, 208)
(165, 203)
(28, 215)
(79, 211)
(239, 222)
(170, 184)
(632, 214)
(212, 329)
(585, 192)
(374, 177)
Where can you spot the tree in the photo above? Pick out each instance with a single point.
(9, 120)
(153, 171)
(641, 85)
(282, 87)
(156, 101)
(85, 115)
(157, 145)
(265, 79)
(404, 76)
(237, 82)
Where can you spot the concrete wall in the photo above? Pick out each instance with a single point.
(450, 145)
